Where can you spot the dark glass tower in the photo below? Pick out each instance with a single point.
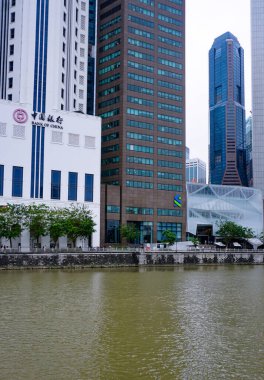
(141, 99)
(227, 113)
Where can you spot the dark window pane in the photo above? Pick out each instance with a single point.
(17, 181)
(88, 191)
(55, 184)
(1, 179)
(72, 186)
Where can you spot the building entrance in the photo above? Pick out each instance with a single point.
(205, 233)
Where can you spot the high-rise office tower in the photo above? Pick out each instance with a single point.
(257, 58)
(227, 112)
(43, 55)
(140, 90)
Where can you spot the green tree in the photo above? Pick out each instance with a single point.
(195, 241)
(169, 236)
(230, 231)
(36, 220)
(56, 223)
(11, 217)
(130, 232)
(78, 222)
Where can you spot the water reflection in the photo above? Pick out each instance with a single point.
(160, 323)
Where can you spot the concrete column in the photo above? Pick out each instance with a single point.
(45, 242)
(63, 242)
(25, 241)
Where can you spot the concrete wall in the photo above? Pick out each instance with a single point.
(64, 260)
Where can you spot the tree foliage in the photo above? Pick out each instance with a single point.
(11, 217)
(36, 217)
(41, 220)
(56, 225)
(230, 231)
(169, 236)
(78, 222)
(195, 241)
(130, 232)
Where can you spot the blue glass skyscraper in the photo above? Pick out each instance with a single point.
(227, 112)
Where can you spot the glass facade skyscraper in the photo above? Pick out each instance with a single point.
(227, 112)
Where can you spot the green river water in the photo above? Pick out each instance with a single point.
(204, 322)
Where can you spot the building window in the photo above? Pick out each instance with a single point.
(2, 129)
(1, 179)
(12, 33)
(88, 190)
(176, 228)
(74, 139)
(62, 93)
(17, 181)
(72, 186)
(56, 137)
(13, 3)
(89, 142)
(63, 47)
(9, 97)
(63, 62)
(13, 17)
(64, 16)
(19, 131)
(55, 184)
(11, 50)
(10, 82)
(11, 66)
(62, 77)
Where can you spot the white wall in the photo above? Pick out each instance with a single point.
(63, 157)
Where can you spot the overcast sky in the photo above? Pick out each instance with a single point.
(206, 20)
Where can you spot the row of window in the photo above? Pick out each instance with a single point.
(144, 211)
(150, 211)
(143, 149)
(142, 161)
(150, 173)
(150, 185)
(17, 184)
(150, 115)
(19, 131)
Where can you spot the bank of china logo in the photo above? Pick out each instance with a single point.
(20, 116)
(177, 201)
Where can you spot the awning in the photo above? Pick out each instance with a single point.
(236, 244)
(220, 244)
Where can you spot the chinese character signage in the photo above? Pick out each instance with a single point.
(48, 120)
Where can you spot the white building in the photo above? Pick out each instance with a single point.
(44, 53)
(257, 55)
(207, 205)
(41, 155)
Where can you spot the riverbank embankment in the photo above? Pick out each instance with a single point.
(122, 259)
